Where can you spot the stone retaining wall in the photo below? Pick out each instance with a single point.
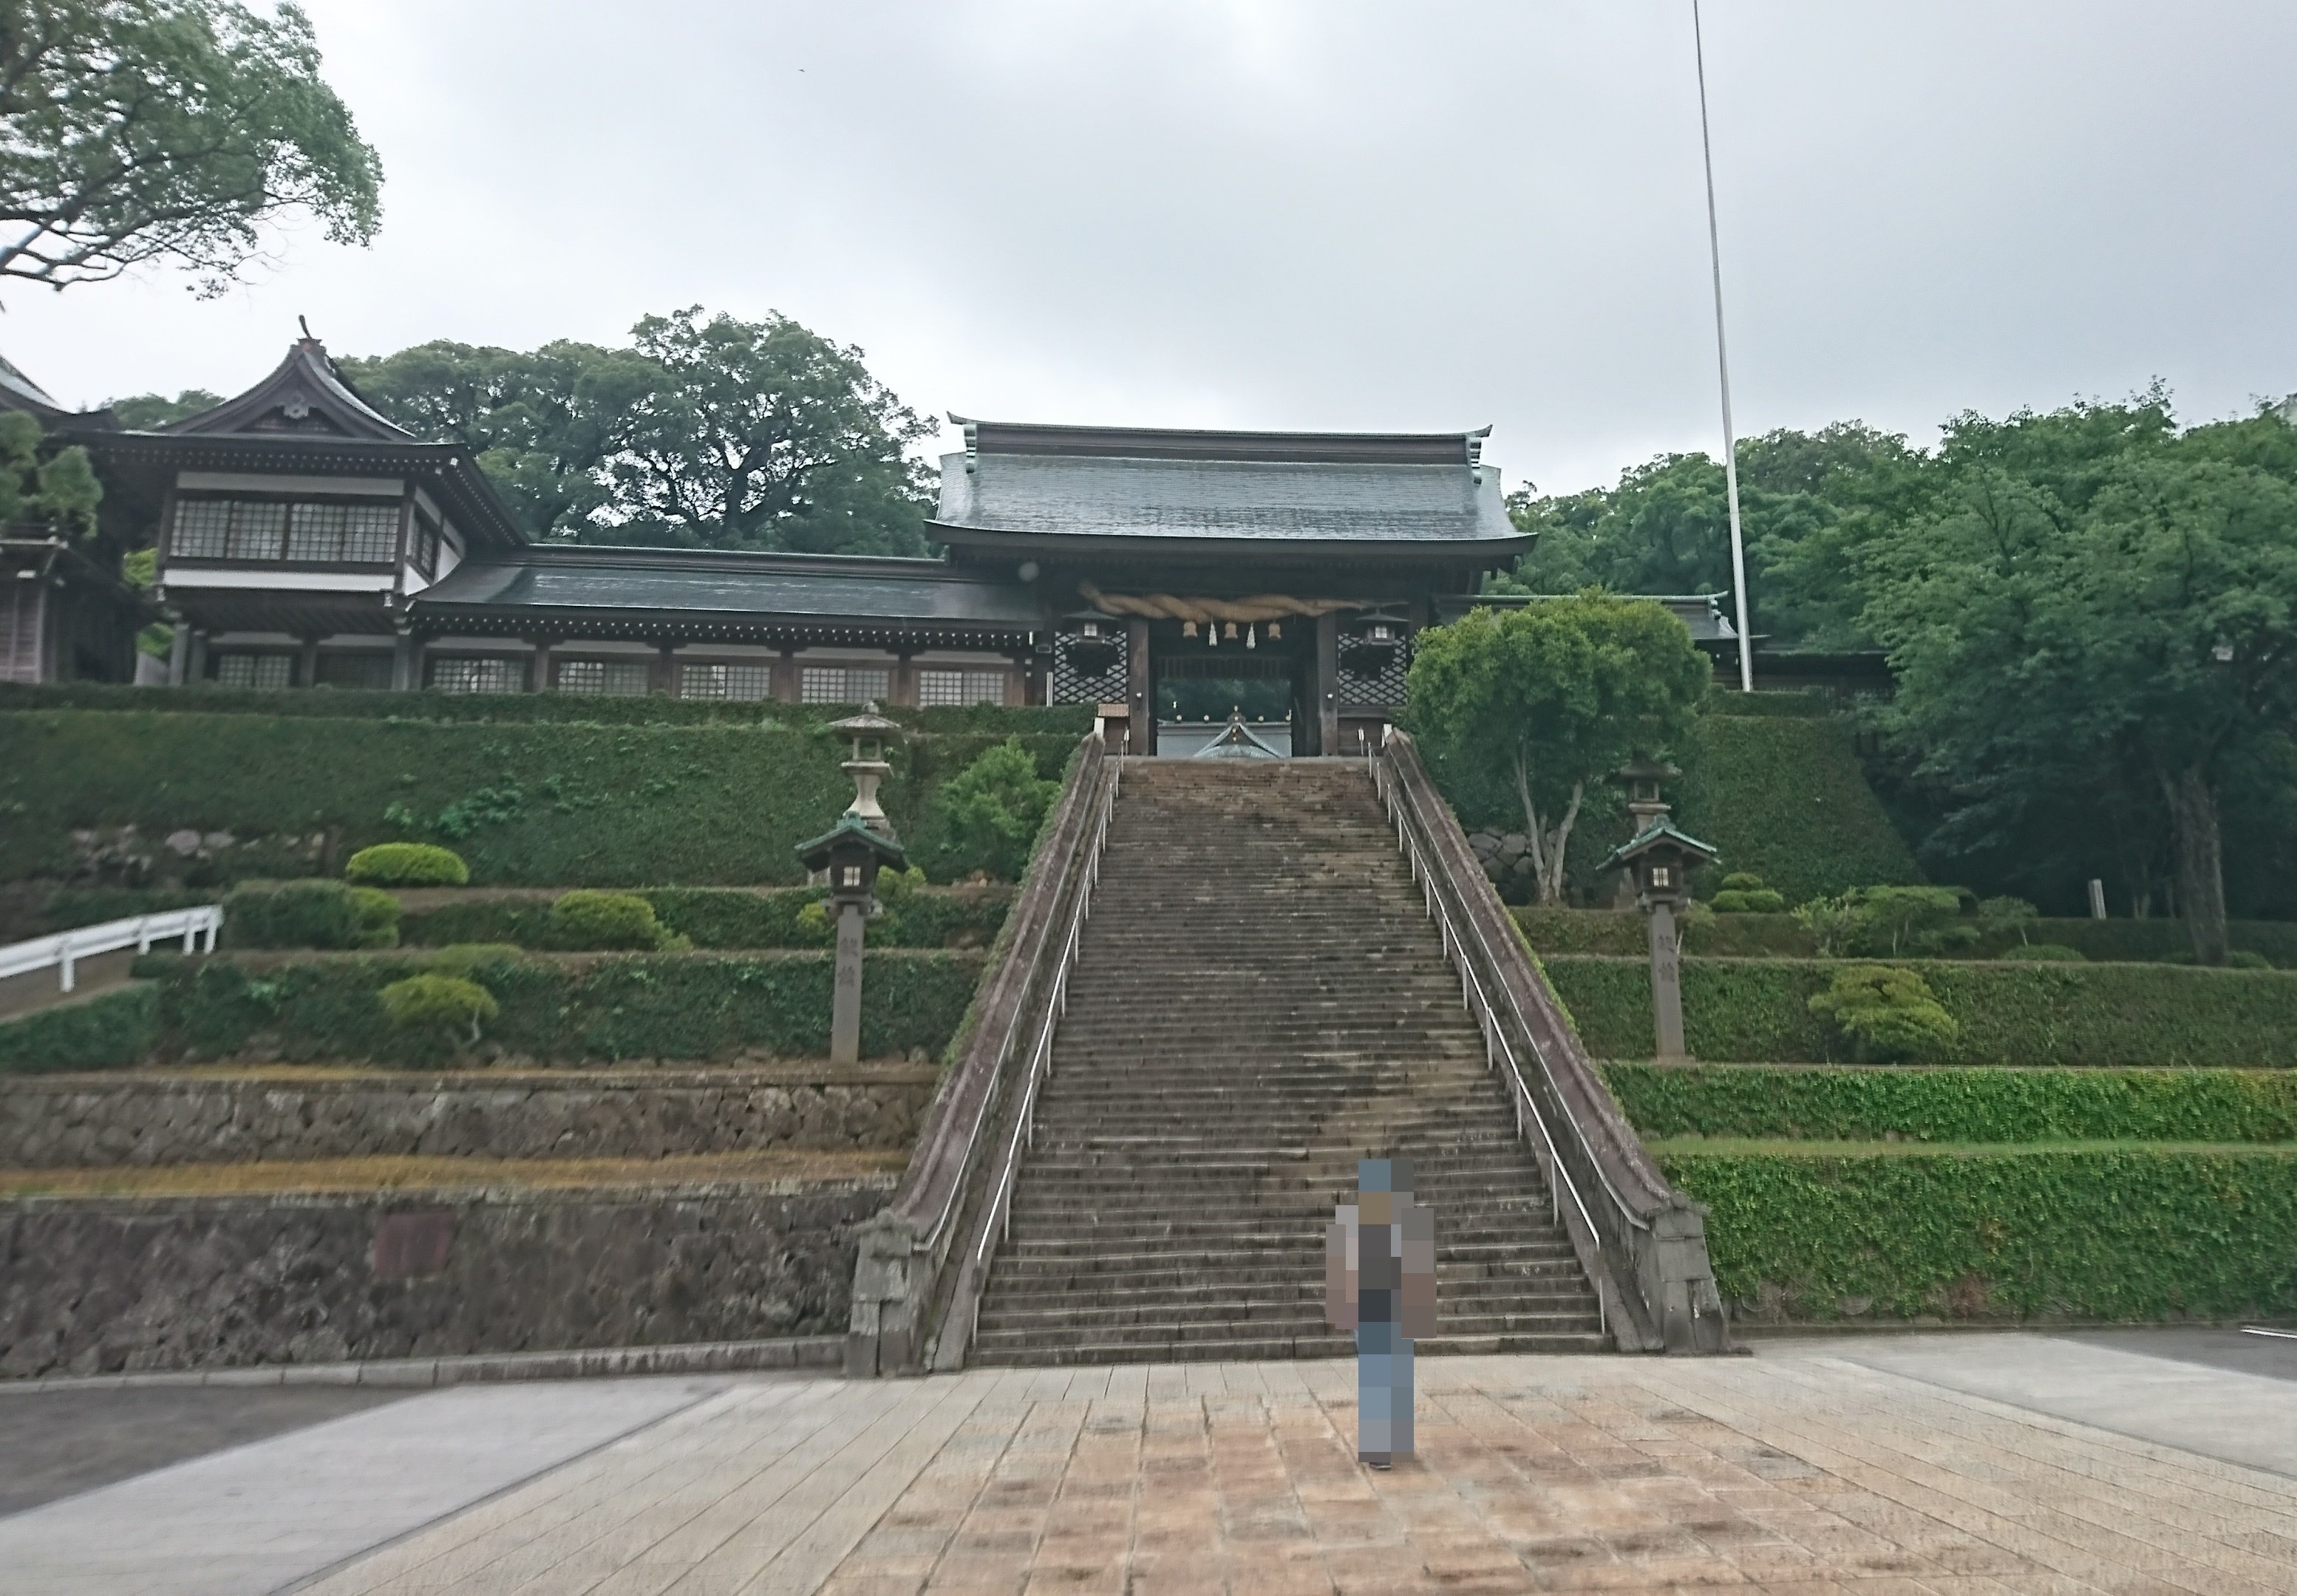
(110, 1285)
(101, 1122)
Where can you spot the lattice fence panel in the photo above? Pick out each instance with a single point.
(1374, 689)
(1074, 683)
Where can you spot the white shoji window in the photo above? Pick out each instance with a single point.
(741, 682)
(264, 671)
(479, 676)
(960, 687)
(263, 528)
(610, 679)
(844, 684)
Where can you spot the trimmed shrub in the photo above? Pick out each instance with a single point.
(547, 804)
(1784, 797)
(474, 961)
(1736, 900)
(601, 1007)
(408, 864)
(2098, 1232)
(111, 1031)
(2242, 959)
(1801, 704)
(2138, 1015)
(1670, 1101)
(445, 1006)
(1886, 1015)
(310, 914)
(584, 921)
(2043, 953)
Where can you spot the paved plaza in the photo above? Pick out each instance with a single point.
(1930, 1464)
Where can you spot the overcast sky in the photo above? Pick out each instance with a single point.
(1347, 214)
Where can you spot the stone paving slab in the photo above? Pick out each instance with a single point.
(1801, 1471)
(1797, 1471)
(261, 1516)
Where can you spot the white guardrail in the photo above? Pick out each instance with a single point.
(197, 928)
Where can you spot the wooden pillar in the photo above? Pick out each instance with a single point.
(406, 662)
(784, 677)
(662, 679)
(198, 665)
(1141, 685)
(179, 654)
(539, 679)
(905, 680)
(306, 661)
(1324, 686)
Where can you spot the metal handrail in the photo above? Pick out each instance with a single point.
(931, 1241)
(998, 1221)
(1395, 802)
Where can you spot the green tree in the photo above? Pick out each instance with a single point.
(992, 811)
(2132, 618)
(51, 490)
(1548, 700)
(146, 412)
(714, 433)
(134, 131)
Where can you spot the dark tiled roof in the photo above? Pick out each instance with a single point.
(743, 586)
(304, 397)
(1295, 488)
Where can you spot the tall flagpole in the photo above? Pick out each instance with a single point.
(1723, 365)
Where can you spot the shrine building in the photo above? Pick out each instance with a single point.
(305, 541)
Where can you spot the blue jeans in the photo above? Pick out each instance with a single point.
(1383, 1389)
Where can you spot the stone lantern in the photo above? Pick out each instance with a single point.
(1659, 860)
(850, 854)
(870, 732)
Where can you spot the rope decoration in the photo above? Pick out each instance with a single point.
(1237, 611)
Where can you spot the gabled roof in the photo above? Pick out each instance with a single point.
(19, 392)
(1652, 836)
(304, 397)
(1059, 488)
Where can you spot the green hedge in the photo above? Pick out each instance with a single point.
(665, 1006)
(1783, 796)
(1071, 720)
(1958, 1104)
(108, 1032)
(728, 918)
(2086, 1232)
(2142, 1016)
(1801, 705)
(1763, 937)
(1622, 934)
(526, 804)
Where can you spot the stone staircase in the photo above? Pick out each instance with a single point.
(1258, 1003)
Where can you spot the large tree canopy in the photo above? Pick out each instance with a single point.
(166, 130)
(1547, 700)
(710, 432)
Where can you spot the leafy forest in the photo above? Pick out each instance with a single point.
(2091, 614)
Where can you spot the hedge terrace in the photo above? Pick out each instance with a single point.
(107, 1031)
(2086, 1231)
(2136, 1015)
(723, 917)
(565, 1010)
(540, 804)
(1069, 720)
(1764, 936)
(1674, 1101)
